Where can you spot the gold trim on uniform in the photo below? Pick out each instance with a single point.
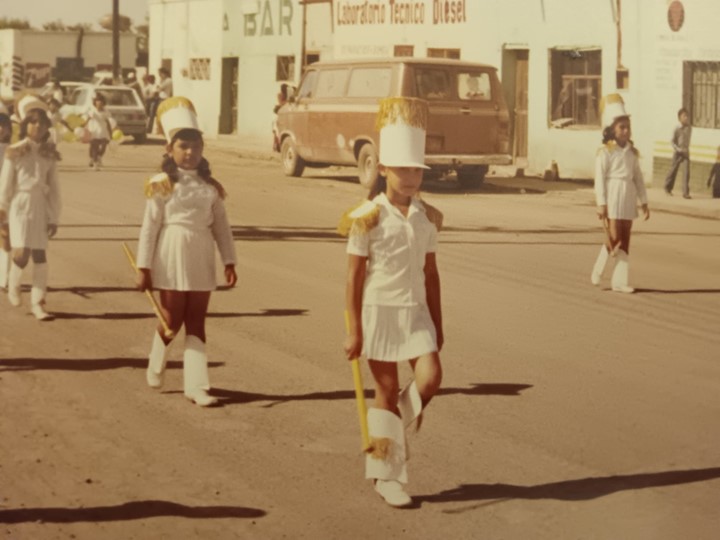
(365, 216)
(159, 184)
(434, 215)
(612, 145)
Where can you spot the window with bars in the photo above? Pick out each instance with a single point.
(701, 81)
(403, 50)
(575, 87)
(199, 69)
(444, 53)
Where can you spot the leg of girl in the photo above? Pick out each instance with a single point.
(620, 230)
(101, 147)
(172, 306)
(39, 285)
(93, 152)
(5, 257)
(195, 364)
(386, 465)
(20, 258)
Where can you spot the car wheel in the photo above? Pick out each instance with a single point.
(140, 138)
(293, 165)
(367, 165)
(472, 176)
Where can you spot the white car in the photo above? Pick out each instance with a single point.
(68, 87)
(124, 104)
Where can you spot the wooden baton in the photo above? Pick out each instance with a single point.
(359, 396)
(156, 308)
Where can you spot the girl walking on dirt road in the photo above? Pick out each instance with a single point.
(184, 219)
(619, 185)
(393, 292)
(30, 200)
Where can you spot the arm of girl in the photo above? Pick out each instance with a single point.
(432, 293)
(639, 181)
(152, 222)
(222, 233)
(600, 183)
(53, 201)
(357, 268)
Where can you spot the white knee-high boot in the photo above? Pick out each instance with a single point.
(621, 273)
(195, 372)
(4, 268)
(14, 276)
(599, 268)
(157, 360)
(37, 293)
(386, 464)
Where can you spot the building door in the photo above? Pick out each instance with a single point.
(520, 110)
(228, 96)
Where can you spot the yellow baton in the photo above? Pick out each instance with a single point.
(359, 396)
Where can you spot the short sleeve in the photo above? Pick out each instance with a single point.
(358, 242)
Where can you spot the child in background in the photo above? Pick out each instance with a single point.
(5, 136)
(714, 177)
(393, 292)
(184, 219)
(97, 122)
(57, 123)
(619, 185)
(30, 198)
(680, 142)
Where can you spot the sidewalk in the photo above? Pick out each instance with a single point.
(701, 205)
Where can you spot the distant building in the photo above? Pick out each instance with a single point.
(31, 58)
(556, 59)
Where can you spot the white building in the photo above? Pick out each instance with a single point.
(556, 58)
(28, 58)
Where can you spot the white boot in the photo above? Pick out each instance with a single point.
(410, 405)
(157, 359)
(621, 273)
(4, 268)
(195, 372)
(37, 293)
(386, 464)
(599, 268)
(14, 276)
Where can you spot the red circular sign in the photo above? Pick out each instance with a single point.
(676, 15)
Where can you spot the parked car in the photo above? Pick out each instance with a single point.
(123, 103)
(331, 118)
(68, 87)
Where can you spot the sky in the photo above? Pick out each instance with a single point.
(38, 12)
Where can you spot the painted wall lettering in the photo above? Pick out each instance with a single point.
(262, 22)
(378, 12)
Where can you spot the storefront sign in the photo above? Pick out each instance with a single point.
(262, 23)
(394, 12)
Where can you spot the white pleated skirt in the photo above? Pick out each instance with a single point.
(184, 260)
(622, 199)
(397, 333)
(27, 220)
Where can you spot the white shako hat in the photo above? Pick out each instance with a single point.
(402, 122)
(176, 113)
(27, 103)
(612, 107)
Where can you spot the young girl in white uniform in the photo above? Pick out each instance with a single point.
(184, 219)
(619, 185)
(98, 122)
(393, 292)
(30, 198)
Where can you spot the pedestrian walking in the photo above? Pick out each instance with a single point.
(5, 136)
(681, 153)
(30, 199)
(619, 184)
(98, 122)
(393, 292)
(184, 219)
(713, 180)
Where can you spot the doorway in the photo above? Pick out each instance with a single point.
(516, 87)
(228, 96)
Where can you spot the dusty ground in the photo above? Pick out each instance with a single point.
(567, 411)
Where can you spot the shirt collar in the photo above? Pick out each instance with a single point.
(415, 205)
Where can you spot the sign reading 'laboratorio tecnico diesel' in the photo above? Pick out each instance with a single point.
(390, 12)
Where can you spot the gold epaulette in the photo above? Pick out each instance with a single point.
(159, 184)
(365, 216)
(612, 145)
(434, 215)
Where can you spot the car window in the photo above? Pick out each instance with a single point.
(80, 97)
(432, 83)
(369, 82)
(331, 83)
(307, 88)
(119, 98)
(474, 86)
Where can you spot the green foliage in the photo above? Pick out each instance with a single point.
(57, 26)
(18, 24)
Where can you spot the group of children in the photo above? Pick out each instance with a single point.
(392, 293)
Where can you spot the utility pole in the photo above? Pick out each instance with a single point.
(116, 41)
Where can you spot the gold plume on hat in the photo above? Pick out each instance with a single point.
(172, 103)
(410, 111)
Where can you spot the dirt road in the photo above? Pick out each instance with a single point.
(567, 411)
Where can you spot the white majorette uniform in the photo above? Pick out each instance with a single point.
(395, 318)
(98, 122)
(4, 255)
(182, 223)
(30, 197)
(396, 322)
(619, 185)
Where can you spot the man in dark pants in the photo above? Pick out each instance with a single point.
(681, 153)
